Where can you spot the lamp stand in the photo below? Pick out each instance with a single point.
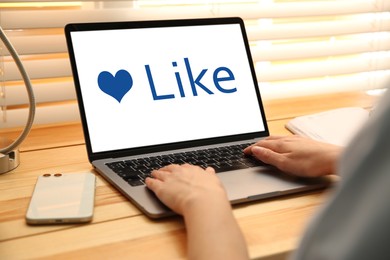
(9, 160)
(9, 156)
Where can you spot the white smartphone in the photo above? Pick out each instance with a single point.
(62, 198)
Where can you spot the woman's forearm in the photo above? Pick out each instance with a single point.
(213, 232)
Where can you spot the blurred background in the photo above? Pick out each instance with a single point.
(301, 47)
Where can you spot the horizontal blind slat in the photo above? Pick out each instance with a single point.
(307, 50)
(317, 29)
(58, 18)
(36, 69)
(53, 91)
(43, 115)
(36, 44)
(304, 70)
(360, 81)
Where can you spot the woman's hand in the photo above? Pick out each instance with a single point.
(297, 155)
(180, 187)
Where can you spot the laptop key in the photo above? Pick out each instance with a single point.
(130, 175)
(135, 182)
(229, 167)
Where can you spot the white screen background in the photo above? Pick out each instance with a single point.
(138, 120)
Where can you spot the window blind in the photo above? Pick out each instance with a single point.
(300, 47)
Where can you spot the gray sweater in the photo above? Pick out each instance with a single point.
(355, 223)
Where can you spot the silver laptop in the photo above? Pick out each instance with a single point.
(152, 93)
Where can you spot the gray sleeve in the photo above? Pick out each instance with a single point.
(355, 223)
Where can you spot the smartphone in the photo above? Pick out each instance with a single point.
(62, 198)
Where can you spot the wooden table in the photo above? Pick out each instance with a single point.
(272, 228)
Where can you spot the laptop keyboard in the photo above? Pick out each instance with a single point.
(225, 158)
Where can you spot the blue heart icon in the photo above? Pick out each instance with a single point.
(115, 86)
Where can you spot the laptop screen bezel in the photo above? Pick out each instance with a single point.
(92, 156)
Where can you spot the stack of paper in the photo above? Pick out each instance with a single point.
(336, 126)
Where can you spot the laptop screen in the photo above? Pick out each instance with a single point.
(157, 85)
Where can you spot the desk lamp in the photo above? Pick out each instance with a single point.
(9, 155)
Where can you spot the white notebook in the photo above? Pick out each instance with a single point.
(336, 126)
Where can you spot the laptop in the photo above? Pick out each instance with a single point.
(151, 93)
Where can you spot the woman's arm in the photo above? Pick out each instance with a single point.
(198, 194)
(200, 198)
